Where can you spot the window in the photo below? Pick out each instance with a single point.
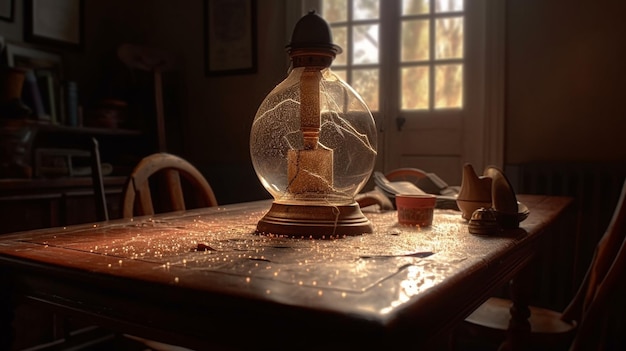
(428, 35)
(431, 59)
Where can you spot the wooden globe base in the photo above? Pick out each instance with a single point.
(312, 221)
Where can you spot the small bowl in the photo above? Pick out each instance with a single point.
(415, 210)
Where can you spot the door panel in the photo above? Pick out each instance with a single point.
(430, 142)
(437, 150)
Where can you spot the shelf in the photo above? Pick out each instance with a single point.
(25, 141)
(55, 128)
(21, 185)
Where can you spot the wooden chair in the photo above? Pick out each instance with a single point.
(137, 200)
(137, 197)
(581, 326)
(409, 174)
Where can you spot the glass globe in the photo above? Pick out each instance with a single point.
(313, 143)
(340, 164)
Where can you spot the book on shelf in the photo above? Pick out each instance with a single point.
(69, 103)
(31, 95)
(48, 87)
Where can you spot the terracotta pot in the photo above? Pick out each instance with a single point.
(416, 210)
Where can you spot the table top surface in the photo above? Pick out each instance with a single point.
(211, 260)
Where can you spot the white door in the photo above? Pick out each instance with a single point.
(428, 70)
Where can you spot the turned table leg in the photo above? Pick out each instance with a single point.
(519, 326)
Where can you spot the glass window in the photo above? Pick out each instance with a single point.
(429, 42)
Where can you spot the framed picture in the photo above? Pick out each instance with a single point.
(43, 74)
(7, 8)
(230, 42)
(57, 23)
(29, 57)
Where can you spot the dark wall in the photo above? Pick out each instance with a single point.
(564, 81)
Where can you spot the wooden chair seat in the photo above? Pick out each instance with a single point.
(137, 196)
(491, 320)
(496, 315)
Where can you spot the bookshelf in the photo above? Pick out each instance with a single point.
(23, 140)
(43, 182)
(46, 141)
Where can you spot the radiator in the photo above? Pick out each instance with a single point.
(595, 189)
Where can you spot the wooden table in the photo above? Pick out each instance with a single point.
(199, 277)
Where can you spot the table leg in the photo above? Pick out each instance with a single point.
(519, 326)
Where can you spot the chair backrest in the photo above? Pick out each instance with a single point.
(603, 280)
(137, 197)
(593, 332)
(407, 174)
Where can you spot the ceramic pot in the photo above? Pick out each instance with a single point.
(503, 198)
(475, 192)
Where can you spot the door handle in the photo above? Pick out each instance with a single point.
(400, 122)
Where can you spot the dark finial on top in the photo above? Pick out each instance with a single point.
(312, 32)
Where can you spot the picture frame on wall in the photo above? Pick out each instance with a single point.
(7, 9)
(56, 23)
(32, 58)
(230, 39)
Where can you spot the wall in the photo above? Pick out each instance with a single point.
(563, 80)
(565, 119)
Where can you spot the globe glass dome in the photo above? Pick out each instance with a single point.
(333, 167)
(313, 143)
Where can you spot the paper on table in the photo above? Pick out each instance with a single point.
(391, 189)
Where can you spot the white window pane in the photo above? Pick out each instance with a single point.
(415, 40)
(340, 37)
(365, 41)
(449, 38)
(414, 88)
(366, 9)
(365, 82)
(341, 73)
(448, 5)
(335, 10)
(448, 86)
(415, 7)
